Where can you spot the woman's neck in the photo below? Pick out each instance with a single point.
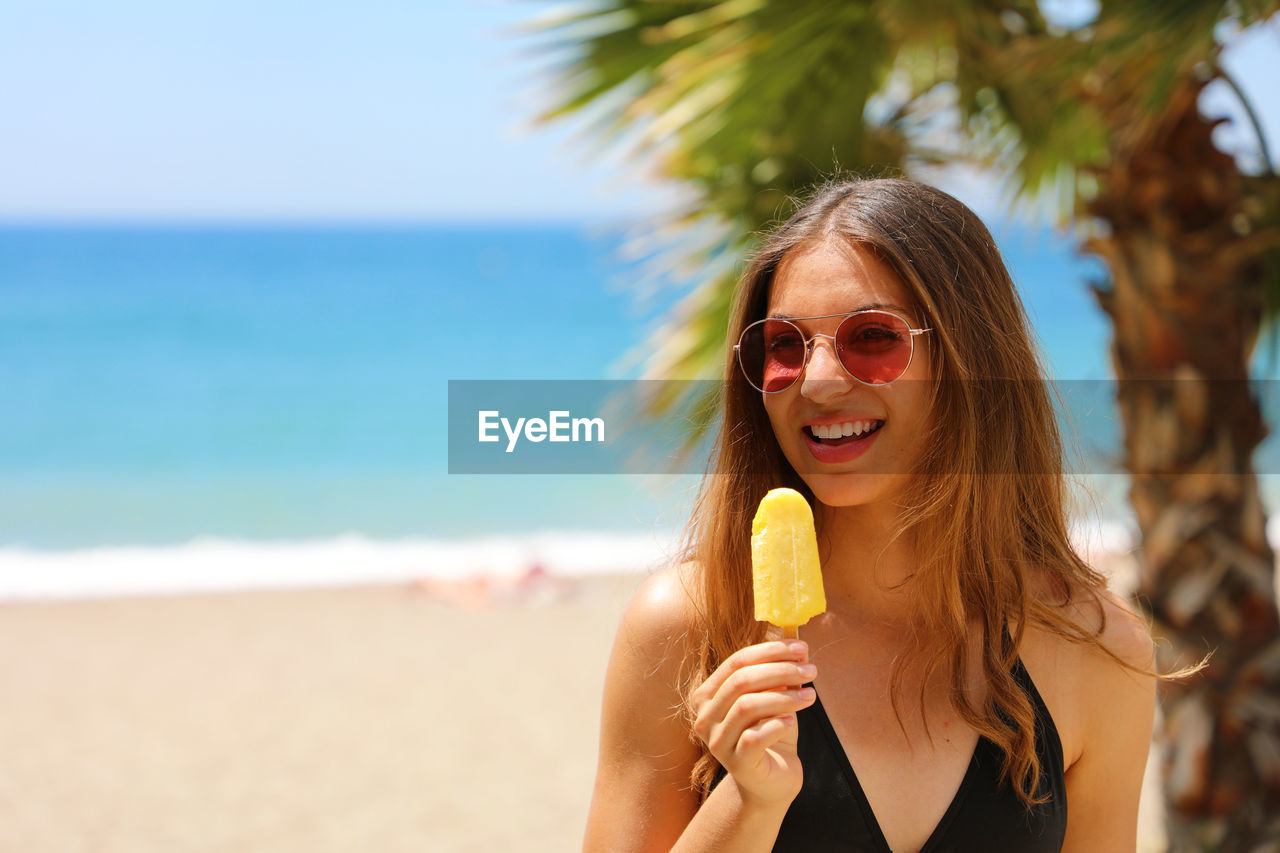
(867, 567)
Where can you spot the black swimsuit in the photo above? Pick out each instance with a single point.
(831, 813)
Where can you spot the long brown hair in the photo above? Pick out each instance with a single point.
(989, 516)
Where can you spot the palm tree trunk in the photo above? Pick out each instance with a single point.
(1186, 307)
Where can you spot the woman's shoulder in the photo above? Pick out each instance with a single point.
(1100, 689)
(1120, 663)
(1117, 636)
(662, 612)
(1065, 612)
(1103, 648)
(644, 680)
(646, 752)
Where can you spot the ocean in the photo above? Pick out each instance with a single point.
(275, 397)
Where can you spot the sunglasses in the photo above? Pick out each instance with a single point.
(873, 346)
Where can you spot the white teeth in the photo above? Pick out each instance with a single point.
(848, 428)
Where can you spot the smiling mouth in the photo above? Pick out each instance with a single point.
(846, 433)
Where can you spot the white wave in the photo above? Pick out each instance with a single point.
(215, 565)
(219, 565)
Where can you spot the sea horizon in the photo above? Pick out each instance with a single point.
(175, 387)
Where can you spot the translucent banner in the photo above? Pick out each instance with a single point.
(645, 426)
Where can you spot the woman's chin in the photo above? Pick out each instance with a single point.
(851, 490)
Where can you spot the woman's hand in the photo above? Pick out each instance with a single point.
(746, 714)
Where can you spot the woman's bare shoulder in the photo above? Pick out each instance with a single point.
(1104, 620)
(1110, 655)
(646, 753)
(1121, 637)
(662, 611)
(1100, 690)
(655, 641)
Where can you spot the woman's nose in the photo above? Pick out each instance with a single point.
(824, 377)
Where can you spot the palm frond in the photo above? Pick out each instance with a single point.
(748, 102)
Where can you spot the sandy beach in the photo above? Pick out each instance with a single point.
(382, 719)
(455, 717)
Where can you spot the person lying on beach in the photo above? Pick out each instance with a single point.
(972, 686)
(535, 585)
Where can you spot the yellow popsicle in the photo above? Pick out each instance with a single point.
(784, 561)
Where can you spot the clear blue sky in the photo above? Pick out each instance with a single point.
(280, 109)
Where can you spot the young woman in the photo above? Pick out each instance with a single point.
(972, 685)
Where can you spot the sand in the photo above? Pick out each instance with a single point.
(428, 718)
(379, 719)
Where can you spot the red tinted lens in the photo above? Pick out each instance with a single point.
(874, 346)
(771, 353)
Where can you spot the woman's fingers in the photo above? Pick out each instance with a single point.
(754, 707)
(745, 713)
(778, 650)
(768, 676)
(764, 734)
(760, 678)
(748, 711)
(749, 705)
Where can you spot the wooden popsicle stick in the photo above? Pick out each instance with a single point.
(791, 632)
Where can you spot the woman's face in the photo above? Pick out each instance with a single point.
(834, 278)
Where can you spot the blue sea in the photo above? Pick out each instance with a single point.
(163, 386)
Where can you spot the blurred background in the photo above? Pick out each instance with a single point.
(244, 247)
(243, 250)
